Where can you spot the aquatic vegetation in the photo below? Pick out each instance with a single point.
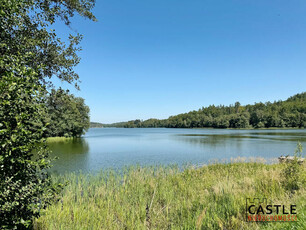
(209, 197)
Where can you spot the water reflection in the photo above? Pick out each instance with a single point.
(72, 155)
(208, 140)
(117, 148)
(296, 137)
(243, 143)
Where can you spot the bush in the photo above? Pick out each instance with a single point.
(292, 173)
(25, 187)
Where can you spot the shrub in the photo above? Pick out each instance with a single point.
(292, 173)
(25, 187)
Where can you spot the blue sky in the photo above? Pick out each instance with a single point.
(152, 59)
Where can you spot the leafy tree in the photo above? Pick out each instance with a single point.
(221, 122)
(25, 187)
(26, 38)
(67, 115)
(31, 54)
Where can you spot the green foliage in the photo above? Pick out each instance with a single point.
(25, 187)
(293, 174)
(96, 125)
(26, 38)
(30, 55)
(67, 116)
(210, 197)
(289, 113)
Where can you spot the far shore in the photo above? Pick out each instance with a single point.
(271, 128)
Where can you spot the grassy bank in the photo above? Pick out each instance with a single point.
(210, 197)
(58, 139)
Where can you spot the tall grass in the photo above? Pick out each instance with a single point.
(210, 197)
(58, 139)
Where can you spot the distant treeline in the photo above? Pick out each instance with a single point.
(289, 113)
(96, 125)
(65, 115)
(100, 125)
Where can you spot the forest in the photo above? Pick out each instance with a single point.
(290, 113)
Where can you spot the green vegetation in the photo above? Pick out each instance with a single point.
(294, 176)
(31, 54)
(67, 116)
(25, 187)
(100, 125)
(280, 114)
(210, 197)
(96, 125)
(58, 139)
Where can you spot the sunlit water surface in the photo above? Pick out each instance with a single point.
(102, 148)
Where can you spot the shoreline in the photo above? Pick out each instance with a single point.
(59, 139)
(272, 128)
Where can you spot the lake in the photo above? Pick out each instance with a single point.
(102, 148)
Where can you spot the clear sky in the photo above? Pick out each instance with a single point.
(152, 59)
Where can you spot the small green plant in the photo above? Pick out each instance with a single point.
(292, 173)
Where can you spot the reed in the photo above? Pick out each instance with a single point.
(210, 197)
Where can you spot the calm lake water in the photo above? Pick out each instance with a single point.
(103, 148)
